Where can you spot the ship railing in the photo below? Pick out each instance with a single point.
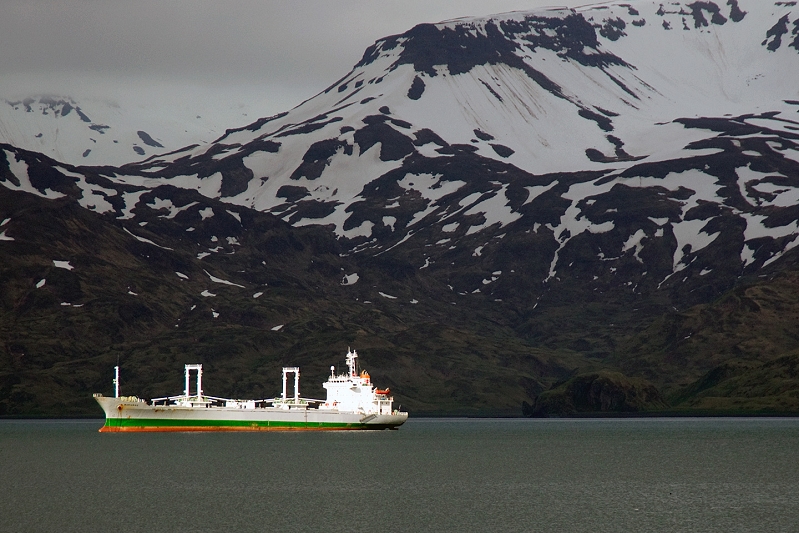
(290, 401)
(196, 399)
(214, 399)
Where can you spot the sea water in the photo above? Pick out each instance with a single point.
(464, 475)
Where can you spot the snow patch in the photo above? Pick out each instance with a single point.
(222, 281)
(363, 230)
(495, 209)
(634, 241)
(147, 241)
(450, 228)
(573, 222)
(159, 204)
(429, 186)
(535, 191)
(350, 279)
(389, 222)
(130, 199)
(93, 196)
(19, 169)
(691, 238)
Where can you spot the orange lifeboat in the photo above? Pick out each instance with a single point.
(383, 392)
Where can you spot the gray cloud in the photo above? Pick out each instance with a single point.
(273, 52)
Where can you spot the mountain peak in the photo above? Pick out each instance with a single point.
(461, 44)
(574, 176)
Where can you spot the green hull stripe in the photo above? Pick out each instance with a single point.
(175, 423)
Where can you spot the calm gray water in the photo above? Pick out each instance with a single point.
(490, 475)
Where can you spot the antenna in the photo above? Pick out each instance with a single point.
(351, 356)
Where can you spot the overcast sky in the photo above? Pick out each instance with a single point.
(268, 55)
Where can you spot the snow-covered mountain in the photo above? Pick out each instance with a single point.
(467, 127)
(566, 169)
(93, 131)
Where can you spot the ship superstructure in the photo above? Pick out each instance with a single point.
(352, 403)
(354, 391)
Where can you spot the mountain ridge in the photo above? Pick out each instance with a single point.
(97, 131)
(543, 202)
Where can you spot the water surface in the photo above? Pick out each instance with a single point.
(464, 475)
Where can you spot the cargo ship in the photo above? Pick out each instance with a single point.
(352, 403)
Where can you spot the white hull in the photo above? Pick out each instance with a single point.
(352, 403)
(128, 414)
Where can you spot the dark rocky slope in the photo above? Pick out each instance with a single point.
(538, 205)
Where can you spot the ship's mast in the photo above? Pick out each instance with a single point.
(296, 371)
(351, 357)
(187, 373)
(116, 381)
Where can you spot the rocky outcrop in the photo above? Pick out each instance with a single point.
(598, 392)
(745, 386)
